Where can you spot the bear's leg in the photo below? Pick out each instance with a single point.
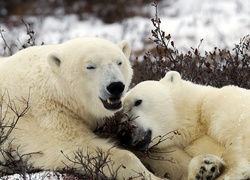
(238, 166)
(57, 154)
(130, 166)
(171, 162)
(121, 162)
(237, 158)
(207, 167)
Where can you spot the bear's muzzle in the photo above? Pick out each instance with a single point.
(134, 137)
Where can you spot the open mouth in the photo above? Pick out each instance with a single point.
(112, 103)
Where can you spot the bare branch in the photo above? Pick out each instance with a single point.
(11, 105)
(93, 164)
(14, 162)
(5, 42)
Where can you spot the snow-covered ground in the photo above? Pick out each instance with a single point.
(221, 23)
(46, 175)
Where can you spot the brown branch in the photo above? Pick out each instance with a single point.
(93, 165)
(18, 114)
(5, 42)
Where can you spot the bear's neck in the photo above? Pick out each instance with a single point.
(188, 103)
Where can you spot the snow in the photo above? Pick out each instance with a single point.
(221, 23)
(46, 175)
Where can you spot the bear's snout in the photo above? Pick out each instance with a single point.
(134, 137)
(116, 88)
(112, 97)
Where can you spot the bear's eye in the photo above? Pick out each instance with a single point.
(91, 66)
(137, 102)
(119, 63)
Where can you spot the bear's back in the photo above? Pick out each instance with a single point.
(27, 56)
(18, 72)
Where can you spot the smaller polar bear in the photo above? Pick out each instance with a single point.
(210, 128)
(67, 89)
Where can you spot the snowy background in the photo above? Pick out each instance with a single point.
(220, 23)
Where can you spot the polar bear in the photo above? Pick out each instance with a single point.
(204, 130)
(62, 92)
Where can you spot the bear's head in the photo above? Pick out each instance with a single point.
(93, 75)
(149, 111)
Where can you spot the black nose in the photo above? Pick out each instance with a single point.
(125, 136)
(116, 88)
(136, 139)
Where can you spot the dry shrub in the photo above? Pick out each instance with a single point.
(10, 48)
(217, 68)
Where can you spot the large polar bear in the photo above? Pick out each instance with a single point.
(210, 128)
(68, 89)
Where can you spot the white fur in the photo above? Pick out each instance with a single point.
(209, 121)
(64, 84)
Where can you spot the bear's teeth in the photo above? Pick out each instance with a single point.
(109, 101)
(113, 101)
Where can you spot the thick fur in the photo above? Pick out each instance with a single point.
(63, 85)
(211, 127)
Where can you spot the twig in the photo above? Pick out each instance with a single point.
(12, 106)
(5, 42)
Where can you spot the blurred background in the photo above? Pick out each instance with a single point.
(220, 23)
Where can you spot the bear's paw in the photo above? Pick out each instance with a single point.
(207, 167)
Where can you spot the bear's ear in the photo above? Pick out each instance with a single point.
(54, 61)
(125, 47)
(171, 77)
